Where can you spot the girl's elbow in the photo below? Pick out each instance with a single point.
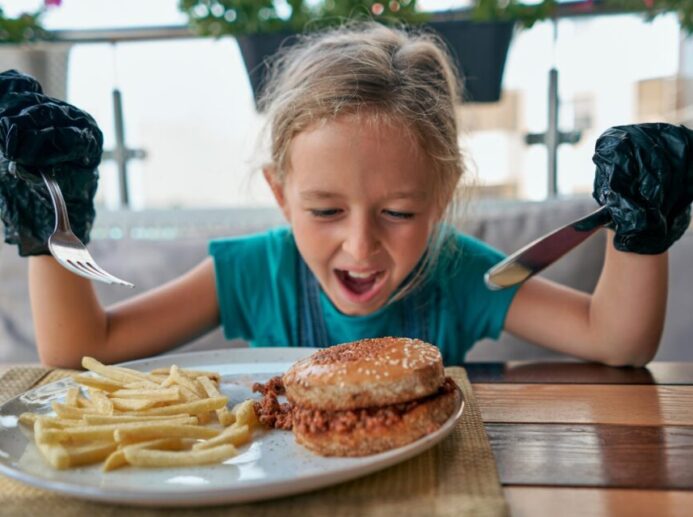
(643, 359)
(56, 357)
(630, 362)
(637, 356)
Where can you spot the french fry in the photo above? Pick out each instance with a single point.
(100, 383)
(63, 457)
(137, 385)
(155, 458)
(143, 377)
(158, 377)
(205, 418)
(101, 402)
(110, 372)
(187, 388)
(186, 394)
(85, 403)
(132, 404)
(49, 422)
(224, 416)
(214, 376)
(108, 432)
(64, 411)
(159, 395)
(122, 416)
(55, 454)
(117, 458)
(72, 396)
(182, 380)
(234, 434)
(195, 407)
(245, 414)
(27, 419)
(40, 427)
(114, 419)
(161, 430)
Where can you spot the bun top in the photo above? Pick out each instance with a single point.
(370, 372)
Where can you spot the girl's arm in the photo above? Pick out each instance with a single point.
(619, 324)
(70, 322)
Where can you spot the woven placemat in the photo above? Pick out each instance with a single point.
(457, 477)
(17, 380)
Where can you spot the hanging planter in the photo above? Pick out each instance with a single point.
(24, 46)
(478, 48)
(257, 50)
(47, 63)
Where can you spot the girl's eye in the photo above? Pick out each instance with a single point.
(399, 215)
(325, 212)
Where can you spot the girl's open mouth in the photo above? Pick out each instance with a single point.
(360, 287)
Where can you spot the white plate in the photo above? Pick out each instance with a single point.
(273, 465)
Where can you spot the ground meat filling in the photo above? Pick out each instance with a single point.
(274, 385)
(311, 421)
(280, 415)
(270, 412)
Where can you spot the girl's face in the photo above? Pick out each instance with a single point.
(360, 200)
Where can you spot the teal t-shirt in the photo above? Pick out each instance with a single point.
(257, 286)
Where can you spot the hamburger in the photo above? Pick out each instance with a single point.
(362, 398)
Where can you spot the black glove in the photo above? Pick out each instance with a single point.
(39, 133)
(645, 179)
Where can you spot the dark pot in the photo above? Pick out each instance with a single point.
(256, 49)
(46, 63)
(478, 48)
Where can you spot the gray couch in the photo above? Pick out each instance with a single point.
(151, 247)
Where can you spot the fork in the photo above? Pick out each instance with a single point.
(66, 247)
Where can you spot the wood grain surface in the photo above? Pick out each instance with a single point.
(593, 455)
(572, 372)
(586, 403)
(578, 439)
(596, 502)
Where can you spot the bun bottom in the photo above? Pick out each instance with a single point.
(423, 419)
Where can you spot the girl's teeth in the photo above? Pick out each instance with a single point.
(353, 274)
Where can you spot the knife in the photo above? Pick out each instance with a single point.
(544, 251)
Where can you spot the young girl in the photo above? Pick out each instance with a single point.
(365, 163)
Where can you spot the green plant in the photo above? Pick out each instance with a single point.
(24, 28)
(528, 14)
(653, 8)
(238, 17)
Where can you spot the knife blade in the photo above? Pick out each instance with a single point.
(544, 251)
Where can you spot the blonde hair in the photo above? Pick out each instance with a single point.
(378, 73)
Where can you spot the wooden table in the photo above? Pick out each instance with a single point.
(575, 439)
(583, 439)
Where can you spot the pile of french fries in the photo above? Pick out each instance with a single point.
(169, 417)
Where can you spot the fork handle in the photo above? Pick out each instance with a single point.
(62, 220)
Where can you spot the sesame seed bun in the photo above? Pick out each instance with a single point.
(370, 372)
(368, 396)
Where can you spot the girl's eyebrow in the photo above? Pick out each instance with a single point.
(324, 194)
(408, 194)
(318, 194)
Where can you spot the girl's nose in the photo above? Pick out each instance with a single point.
(362, 240)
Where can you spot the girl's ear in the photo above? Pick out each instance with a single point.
(277, 187)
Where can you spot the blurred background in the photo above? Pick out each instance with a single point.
(188, 110)
(169, 82)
